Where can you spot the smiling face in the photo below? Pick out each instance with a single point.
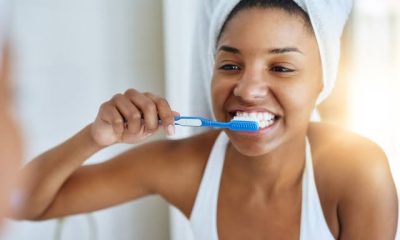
(267, 65)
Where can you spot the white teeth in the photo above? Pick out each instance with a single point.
(265, 115)
(264, 124)
(265, 119)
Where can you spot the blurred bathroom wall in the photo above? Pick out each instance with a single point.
(366, 97)
(69, 57)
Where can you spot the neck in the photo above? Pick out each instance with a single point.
(274, 172)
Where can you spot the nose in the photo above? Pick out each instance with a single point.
(252, 86)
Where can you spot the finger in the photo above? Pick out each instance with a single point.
(147, 107)
(130, 113)
(165, 113)
(110, 115)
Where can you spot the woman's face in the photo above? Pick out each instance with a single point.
(268, 66)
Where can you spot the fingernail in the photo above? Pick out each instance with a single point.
(171, 130)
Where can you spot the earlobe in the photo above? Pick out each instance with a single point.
(319, 89)
(320, 85)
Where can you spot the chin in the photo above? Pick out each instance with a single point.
(251, 147)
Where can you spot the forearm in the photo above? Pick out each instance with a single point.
(10, 142)
(45, 175)
(10, 158)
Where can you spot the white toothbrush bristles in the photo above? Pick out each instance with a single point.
(250, 119)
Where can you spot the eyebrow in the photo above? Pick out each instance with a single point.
(284, 50)
(229, 49)
(271, 51)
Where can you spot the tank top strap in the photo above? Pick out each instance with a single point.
(204, 212)
(313, 223)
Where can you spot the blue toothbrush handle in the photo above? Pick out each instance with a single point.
(204, 122)
(190, 121)
(217, 124)
(184, 117)
(237, 125)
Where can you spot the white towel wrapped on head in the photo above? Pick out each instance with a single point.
(328, 18)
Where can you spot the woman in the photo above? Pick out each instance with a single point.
(292, 179)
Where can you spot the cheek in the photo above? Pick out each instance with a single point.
(302, 96)
(299, 99)
(307, 87)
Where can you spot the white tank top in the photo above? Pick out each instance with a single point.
(203, 218)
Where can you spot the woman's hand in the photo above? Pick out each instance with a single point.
(131, 117)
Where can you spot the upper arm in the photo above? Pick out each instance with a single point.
(368, 207)
(172, 169)
(128, 176)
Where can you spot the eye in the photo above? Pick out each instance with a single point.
(230, 67)
(281, 69)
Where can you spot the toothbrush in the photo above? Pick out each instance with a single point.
(236, 124)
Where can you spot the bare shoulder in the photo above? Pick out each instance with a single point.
(349, 154)
(353, 174)
(339, 147)
(178, 166)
